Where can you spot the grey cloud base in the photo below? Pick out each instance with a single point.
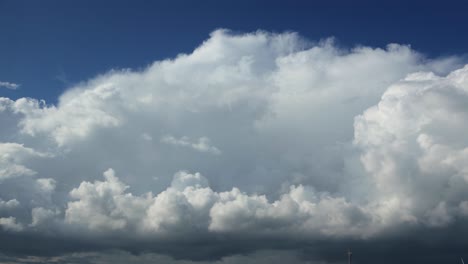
(253, 142)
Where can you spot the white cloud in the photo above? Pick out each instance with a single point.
(190, 205)
(201, 145)
(413, 145)
(9, 85)
(317, 142)
(75, 116)
(46, 184)
(41, 216)
(10, 224)
(103, 206)
(8, 204)
(12, 155)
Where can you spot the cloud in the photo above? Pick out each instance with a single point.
(314, 147)
(73, 120)
(103, 206)
(125, 257)
(9, 85)
(42, 216)
(201, 145)
(46, 184)
(413, 145)
(12, 155)
(146, 137)
(8, 204)
(190, 205)
(10, 224)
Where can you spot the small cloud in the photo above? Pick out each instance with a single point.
(146, 137)
(10, 224)
(9, 85)
(203, 144)
(62, 77)
(42, 215)
(9, 204)
(46, 184)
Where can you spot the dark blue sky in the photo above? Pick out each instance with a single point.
(48, 45)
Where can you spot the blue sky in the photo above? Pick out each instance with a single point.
(48, 45)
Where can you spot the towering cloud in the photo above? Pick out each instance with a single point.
(252, 143)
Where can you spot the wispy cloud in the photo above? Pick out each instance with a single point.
(62, 76)
(9, 85)
(202, 145)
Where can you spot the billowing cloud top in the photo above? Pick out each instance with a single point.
(265, 138)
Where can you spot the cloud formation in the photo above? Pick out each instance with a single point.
(201, 145)
(414, 147)
(12, 156)
(9, 85)
(263, 137)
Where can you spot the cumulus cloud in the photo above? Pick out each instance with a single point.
(414, 147)
(9, 85)
(46, 184)
(10, 224)
(41, 216)
(311, 143)
(103, 206)
(12, 155)
(8, 204)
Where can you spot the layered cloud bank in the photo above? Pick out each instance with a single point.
(266, 138)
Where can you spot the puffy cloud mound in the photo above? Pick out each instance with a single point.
(10, 224)
(414, 145)
(262, 137)
(190, 205)
(9, 204)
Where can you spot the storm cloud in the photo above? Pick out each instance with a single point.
(254, 144)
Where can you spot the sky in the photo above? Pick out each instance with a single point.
(233, 132)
